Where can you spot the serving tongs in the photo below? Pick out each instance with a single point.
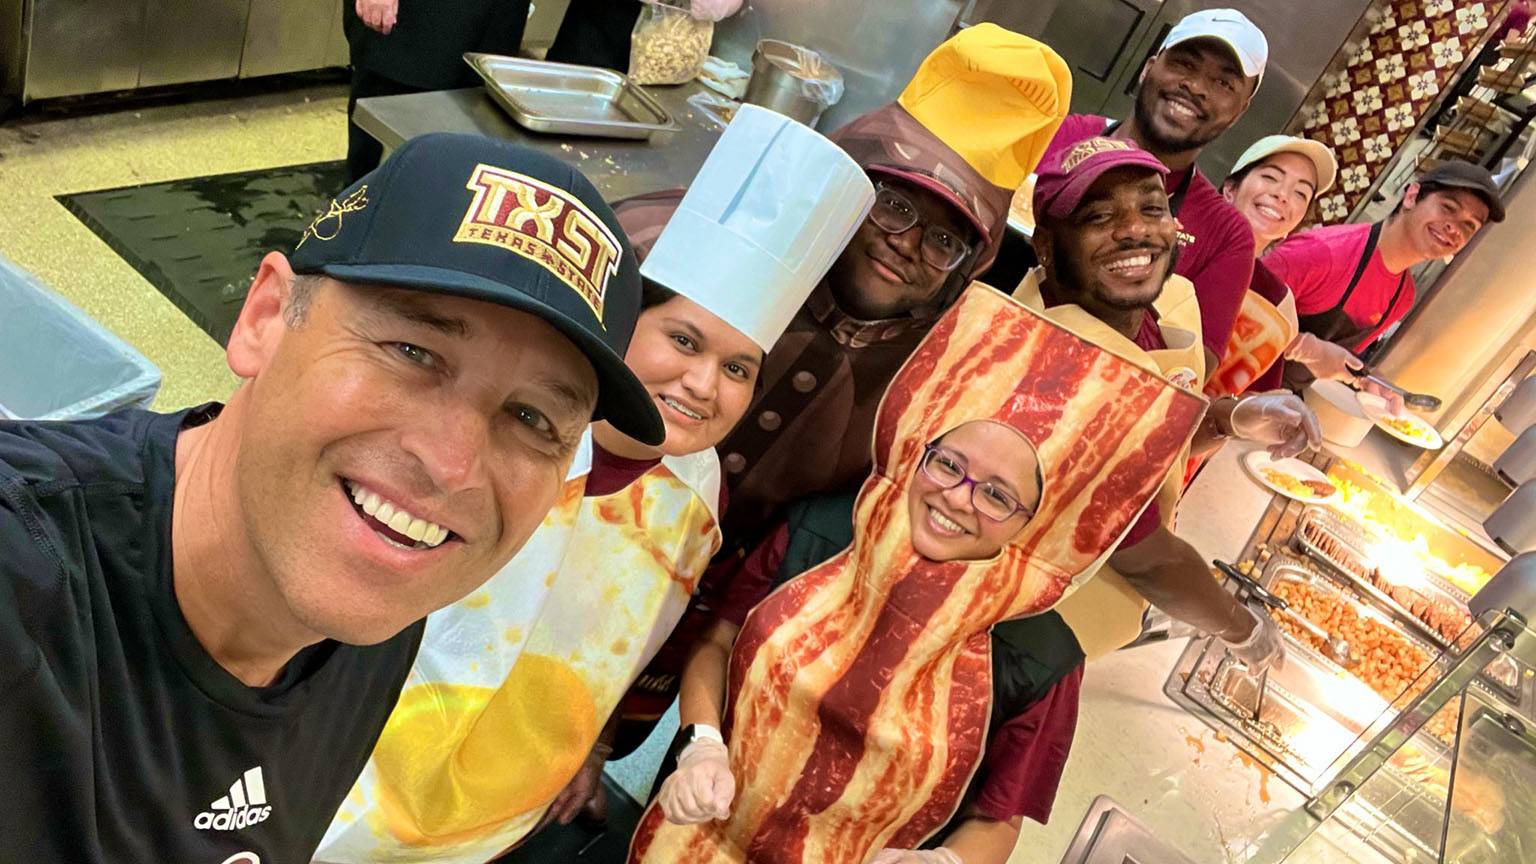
(1334, 646)
(1421, 401)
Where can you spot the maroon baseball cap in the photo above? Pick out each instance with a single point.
(1061, 181)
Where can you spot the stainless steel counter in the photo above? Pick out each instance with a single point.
(617, 168)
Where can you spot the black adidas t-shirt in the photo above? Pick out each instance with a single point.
(121, 740)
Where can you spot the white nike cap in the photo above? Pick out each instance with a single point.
(1230, 27)
(1322, 157)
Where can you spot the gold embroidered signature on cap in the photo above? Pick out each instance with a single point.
(544, 224)
(1084, 150)
(328, 224)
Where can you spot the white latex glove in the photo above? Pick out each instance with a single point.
(713, 10)
(916, 856)
(1279, 419)
(702, 787)
(378, 14)
(1324, 359)
(1263, 648)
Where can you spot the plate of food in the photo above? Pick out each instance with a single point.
(1292, 478)
(1407, 428)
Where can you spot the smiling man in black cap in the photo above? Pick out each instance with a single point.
(1352, 281)
(205, 617)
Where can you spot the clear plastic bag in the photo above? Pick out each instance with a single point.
(668, 45)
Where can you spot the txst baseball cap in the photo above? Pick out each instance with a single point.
(1474, 178)
(1320, 155)
(1230, 27)
(489, 220)
(1061, 181)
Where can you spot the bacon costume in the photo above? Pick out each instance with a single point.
(858, 694)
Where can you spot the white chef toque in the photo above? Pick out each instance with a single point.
(771, 209)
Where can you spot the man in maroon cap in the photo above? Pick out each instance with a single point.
(1106, 241)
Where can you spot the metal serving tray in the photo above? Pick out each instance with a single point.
(571, 100)
(1337, 543)
(1311, 709)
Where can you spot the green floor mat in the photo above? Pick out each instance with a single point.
(199, 240)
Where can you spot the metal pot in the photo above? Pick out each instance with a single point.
(794, 81)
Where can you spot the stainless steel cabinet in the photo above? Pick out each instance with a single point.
(193, 40)
(291, 35)
(1101, 40)
(82, 46)
(51, 48)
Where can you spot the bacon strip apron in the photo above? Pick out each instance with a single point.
(859, 693)
(502, 707)
(1103, 610)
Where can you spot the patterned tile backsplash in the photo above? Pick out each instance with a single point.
(1367, 110)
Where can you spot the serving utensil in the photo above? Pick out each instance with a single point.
(1422, 401)
(1336, 648)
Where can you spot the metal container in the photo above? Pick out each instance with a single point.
(571, 100)
(1431, 607)
(793, 81)
(1339, 544)
(876, 46)
(1297, 718)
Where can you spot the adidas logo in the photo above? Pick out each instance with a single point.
(244, 806)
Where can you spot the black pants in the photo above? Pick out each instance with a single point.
(363, 150)
(596, 33)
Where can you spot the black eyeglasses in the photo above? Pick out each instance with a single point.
(894, 213)
(947, 468)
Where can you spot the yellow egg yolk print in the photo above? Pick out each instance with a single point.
(504, 757)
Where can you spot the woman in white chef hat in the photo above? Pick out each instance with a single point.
(498, 727)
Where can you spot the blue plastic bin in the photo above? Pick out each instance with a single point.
(56, 363)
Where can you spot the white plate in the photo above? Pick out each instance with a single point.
(1259, 460)
(1377, 411)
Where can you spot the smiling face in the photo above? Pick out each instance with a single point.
(881, 275)
(454, 421)
(1190, 94)
(945, 524)
(1441, 222)
(1274, 195)
(699, 369)
(1113, 253)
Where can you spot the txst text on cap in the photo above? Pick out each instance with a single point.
(489, 220)
(557, 232)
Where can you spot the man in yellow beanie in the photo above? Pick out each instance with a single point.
(945, 159)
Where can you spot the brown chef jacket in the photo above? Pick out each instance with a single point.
(809, 425)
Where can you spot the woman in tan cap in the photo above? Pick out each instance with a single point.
(1273, 185)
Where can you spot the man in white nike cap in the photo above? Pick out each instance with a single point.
(1192, 90)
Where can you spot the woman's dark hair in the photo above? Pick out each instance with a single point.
(654, 294)
(1236, 177)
